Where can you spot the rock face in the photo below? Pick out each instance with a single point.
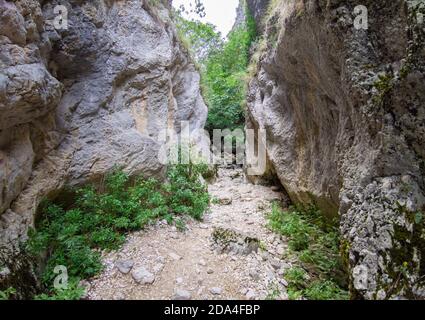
(258, 9)
(81, 95)
(344, 112)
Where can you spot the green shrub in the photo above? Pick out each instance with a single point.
(73, 292)
(7, 294)
(100, 217)
(325, 290)
(316, 243)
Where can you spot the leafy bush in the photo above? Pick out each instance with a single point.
(7, 294)
(316, 242)
(100, 217)
(73, 292)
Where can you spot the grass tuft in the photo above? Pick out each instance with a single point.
(315, 242)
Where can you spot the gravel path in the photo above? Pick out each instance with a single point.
(229, 255)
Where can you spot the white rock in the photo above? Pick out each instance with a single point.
(226, 201)
(276, 264)
(283, 282)
(143, 276)
(251, 295)
(181, 294)
(216, 291)
(280, 250)
(124, 266)
(175, 256)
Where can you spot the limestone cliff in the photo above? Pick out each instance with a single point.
(81, 96)
(344, 112)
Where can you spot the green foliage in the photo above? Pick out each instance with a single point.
(73, 292)
(325, 290)
(100, 217)
(316, 243)
(223, 78)
(223, 66)
(7, 294)
(200, 38)
(186, 194)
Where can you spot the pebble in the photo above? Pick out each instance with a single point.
(226, 201)
(182, 295)
(276, 264)
(280, 250)
(174, 256)
(124, 266)
(210, 271)
(216, 291)
(143, 276)
(283, 282)
(251, 294)
(202, 262)
(254, 275)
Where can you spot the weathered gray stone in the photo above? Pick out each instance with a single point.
(124, 266)
(216, 291)
(344, 114)
(142, 276)
(76, 103)
(181, 294)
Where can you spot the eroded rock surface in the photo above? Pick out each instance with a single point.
(344, 112)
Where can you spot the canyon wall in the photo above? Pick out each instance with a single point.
(81, 96)
(344, 112)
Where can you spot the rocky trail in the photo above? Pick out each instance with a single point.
(229, 255)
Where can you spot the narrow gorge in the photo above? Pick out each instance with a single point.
(90, 91)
